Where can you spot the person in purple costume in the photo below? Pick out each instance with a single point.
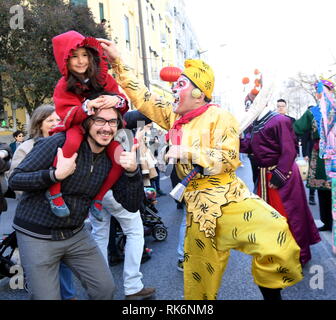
(273, 144)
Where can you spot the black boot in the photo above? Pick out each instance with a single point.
(312, 201)
(312, 197)
(270, 294)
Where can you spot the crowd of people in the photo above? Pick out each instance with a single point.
(73, 167)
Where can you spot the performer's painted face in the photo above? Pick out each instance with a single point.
(182, 93)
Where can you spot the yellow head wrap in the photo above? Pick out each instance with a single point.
(201, 75)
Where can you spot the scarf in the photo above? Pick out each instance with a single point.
(175, 133)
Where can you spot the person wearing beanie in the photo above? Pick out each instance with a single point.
(222, 214)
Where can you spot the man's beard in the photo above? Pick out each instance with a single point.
(97, 144)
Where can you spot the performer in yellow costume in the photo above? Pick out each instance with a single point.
(221, 212)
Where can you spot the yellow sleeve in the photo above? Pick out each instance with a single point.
(156, 108)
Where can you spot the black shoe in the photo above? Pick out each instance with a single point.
(270, 294)
(160, 193)
(114, 260)
(179, 205)
(146, 255)
(324, 228)
(312, 202)
(180, 265)
(145, 258)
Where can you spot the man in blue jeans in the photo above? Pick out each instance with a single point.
(132, 226)
(180, 245)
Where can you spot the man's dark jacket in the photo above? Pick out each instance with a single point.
(34, 175)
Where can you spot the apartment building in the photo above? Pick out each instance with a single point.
(150, 34)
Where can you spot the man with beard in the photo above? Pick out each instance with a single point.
(44, 239)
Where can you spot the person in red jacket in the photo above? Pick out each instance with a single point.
(84, 70)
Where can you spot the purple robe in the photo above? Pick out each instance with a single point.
(272, 141)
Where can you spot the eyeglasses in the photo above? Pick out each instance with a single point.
(101, 122)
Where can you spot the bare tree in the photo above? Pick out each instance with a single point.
(300, 93)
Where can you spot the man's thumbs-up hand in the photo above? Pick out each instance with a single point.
(128, 159)
(65, 166)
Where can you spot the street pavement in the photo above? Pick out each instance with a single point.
(161, 272)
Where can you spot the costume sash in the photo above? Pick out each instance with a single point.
(269, 195)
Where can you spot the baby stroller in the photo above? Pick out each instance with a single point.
(9, 243)
(7, 259)
(153, 224)
(117, 242)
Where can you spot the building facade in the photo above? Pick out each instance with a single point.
(150, 34)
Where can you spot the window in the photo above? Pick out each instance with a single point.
(79, 2)
(101, 11)
(153, 22)
(154, 64)
(127, 33)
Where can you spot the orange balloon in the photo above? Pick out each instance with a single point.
(256, 71)
(254, 91)
(245, 80)
(257, 82)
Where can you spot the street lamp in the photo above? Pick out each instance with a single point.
(143, 46)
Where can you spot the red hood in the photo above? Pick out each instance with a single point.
(64, 43)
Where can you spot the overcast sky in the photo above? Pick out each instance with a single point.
(279, 38)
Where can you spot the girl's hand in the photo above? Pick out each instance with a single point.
(104, 102)
(109, 101)
(94, 104)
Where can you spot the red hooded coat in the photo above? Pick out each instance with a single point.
(69, 105)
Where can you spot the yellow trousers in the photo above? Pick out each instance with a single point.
(250, 226)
